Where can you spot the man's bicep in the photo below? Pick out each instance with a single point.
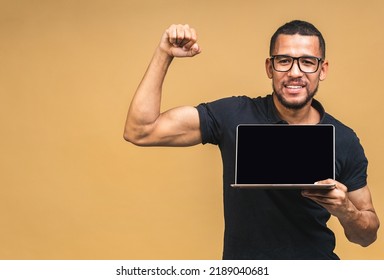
(176, 127)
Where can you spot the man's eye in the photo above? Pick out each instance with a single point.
(308, 61)
(284, 61)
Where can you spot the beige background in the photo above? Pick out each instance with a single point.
(71, 188)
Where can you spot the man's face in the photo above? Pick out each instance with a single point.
(294, 88)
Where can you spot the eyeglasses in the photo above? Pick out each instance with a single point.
(307, 64)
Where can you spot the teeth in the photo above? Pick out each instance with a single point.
(294, 87)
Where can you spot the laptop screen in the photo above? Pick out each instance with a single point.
(284, 154)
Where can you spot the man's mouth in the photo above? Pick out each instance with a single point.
(294, 87)
(294, 84)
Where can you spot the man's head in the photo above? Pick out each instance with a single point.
(296, 64)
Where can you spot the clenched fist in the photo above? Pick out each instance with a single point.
(180, 41)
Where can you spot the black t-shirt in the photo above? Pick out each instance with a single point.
(275, 224)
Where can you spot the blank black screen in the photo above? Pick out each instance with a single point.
(284, 154)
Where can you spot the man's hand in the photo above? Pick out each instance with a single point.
(334, 200)
(180, 41)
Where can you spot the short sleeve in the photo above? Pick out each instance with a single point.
(354, 171)
(220, 115)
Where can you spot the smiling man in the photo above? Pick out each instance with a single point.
(264, 224)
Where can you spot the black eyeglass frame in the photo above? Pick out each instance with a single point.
(319, 61)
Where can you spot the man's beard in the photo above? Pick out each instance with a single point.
(295, 106)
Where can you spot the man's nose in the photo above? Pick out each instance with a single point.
(295, 69)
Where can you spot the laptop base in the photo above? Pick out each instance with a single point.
(285, 186)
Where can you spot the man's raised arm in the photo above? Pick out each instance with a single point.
(145, 124)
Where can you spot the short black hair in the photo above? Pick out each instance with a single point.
(298, 27)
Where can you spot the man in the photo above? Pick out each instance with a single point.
(264, 224)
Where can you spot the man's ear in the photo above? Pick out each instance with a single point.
(324, 70)
(268, 68)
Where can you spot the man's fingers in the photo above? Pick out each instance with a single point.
(180, 35)
(190, 39)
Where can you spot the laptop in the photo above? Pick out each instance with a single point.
(281, 156)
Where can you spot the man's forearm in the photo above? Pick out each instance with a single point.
(145, 105)
(360, 226)
(354, 210)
